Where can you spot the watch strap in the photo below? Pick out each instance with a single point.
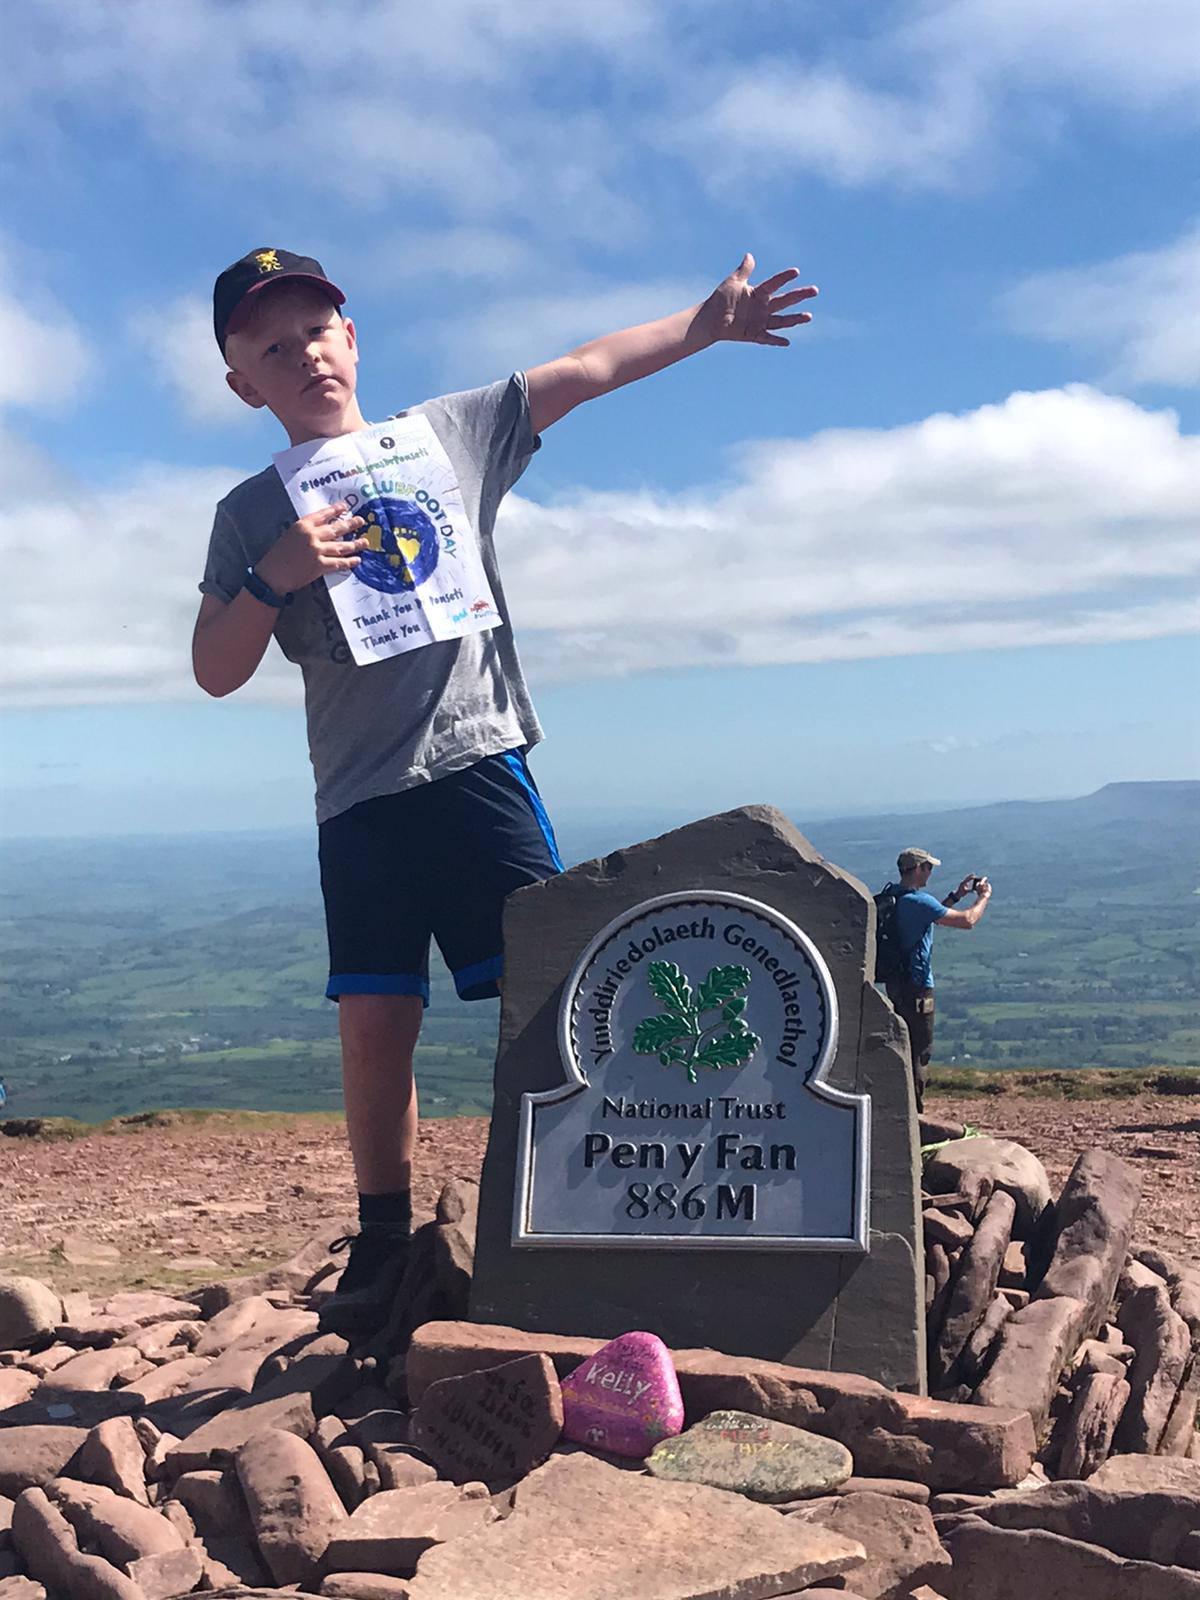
(263, 591)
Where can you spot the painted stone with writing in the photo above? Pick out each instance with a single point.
(754, 1456)
(495, 1425)
(625, 1398)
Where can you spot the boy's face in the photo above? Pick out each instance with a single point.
(295, 355)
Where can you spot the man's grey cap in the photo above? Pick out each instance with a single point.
(907, 859)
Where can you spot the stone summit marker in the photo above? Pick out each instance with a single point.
(703, 1122)
(740, 1138)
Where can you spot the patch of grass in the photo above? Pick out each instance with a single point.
(175, 1121)
(1083, 1084)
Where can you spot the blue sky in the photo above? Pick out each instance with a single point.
(941, 550)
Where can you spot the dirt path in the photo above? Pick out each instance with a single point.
(185, 1205)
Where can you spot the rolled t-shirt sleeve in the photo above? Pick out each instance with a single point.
(225, 568)
(495, 426)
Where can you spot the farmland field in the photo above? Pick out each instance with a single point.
(189, 971)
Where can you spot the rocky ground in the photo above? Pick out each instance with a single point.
(181, 1203)
(214, 1439)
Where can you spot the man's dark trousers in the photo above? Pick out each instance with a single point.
(915, 1005)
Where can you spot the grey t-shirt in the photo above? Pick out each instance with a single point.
(377, 729)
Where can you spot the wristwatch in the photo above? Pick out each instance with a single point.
(263, 591)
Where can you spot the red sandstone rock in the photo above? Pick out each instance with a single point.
(1093, 1222)
(214, 1501)
(1001, 1564)
(565, 1537)
(384, 1435)
(234, 1323)
(1138, 1524)
(121, 1529)
(977, 1353)
(50, 1553)
(392, 1530)
(162, 1577)
(28, 1311)
(93, 1370)
(343, 1460)
(147, 1307)
(889, 1434)
(292, 1504)
(173, 1377)
(112, 1455)
(918, 1493)
(216, 1443)
(1003, 1164)
(364, 1586)
(16, 1386)
(35, 1454)
(973, 1285)
(900, 1540)
(1163, 1345)
(947, 1228)
(494, 1425)
(46, 1360)
(1031, 1350)
(1091, 1424)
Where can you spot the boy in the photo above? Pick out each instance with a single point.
(427, 815)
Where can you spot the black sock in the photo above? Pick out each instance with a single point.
(386, 1213)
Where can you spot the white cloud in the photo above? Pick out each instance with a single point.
(477, 106)
(1143, 57)
(183, 354)
(1139, 315)
(372, 101)
(1060, 517)
(44, 359)
(519, 331)
(126, 635)
(821, 119)
(942, 93)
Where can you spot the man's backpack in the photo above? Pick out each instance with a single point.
(891, 958)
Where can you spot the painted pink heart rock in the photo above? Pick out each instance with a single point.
(625, 1398)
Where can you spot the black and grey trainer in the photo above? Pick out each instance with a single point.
(363, 1299)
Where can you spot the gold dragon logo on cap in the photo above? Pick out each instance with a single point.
(267, 261)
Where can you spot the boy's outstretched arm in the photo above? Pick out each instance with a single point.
(735, 310)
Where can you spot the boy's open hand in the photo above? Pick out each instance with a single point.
(751, 313)
(314, 545)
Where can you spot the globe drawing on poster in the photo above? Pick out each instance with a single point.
(696, 1033)
(421, 578)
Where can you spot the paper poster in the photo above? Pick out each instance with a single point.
(421, 578)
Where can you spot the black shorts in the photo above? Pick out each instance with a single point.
(438, 859)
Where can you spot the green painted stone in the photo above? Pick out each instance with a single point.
(754, 1456)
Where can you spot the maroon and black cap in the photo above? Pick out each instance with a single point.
(257, 270)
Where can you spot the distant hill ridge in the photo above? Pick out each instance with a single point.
(1126, 801)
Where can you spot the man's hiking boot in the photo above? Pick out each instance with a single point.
(362, 1301)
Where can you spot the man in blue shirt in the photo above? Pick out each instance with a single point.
(917, 911)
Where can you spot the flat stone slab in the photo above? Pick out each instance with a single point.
(391, 1531)
(215, 1443)
(30, 1456)
(764, 1460)
(494, 1425)
(889, 1434)
(1002, 1563)
(594, 1532)
(1149, 1474)
(900, 1539)
(1140, 1525)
